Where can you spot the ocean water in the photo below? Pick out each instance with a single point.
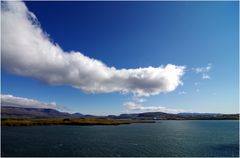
(164, 138)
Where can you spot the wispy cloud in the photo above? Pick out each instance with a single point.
(205, 76)
(182, 92)
(134, 107)
(13, 101)
(138, 99)
(28, 51)
(196, 83)
(214, 93)
(204, 71)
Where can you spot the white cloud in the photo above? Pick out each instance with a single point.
(10, 100)
(204, 71)
(28, 51)
(134, 107)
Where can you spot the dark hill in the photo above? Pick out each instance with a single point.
(150, 116)
(16, 112)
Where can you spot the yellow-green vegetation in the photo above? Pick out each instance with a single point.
(66, 121)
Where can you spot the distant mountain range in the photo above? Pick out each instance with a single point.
(179, 116)
(18, 112)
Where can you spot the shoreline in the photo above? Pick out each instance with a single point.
(67, 121)
(9, 122)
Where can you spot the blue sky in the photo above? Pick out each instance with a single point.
(141, 34)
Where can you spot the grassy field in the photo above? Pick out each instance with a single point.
(67, 121)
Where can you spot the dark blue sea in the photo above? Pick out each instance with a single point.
(164, 138)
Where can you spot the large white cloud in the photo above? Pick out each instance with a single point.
(13, 101)
(28, 51)
(134, 107)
